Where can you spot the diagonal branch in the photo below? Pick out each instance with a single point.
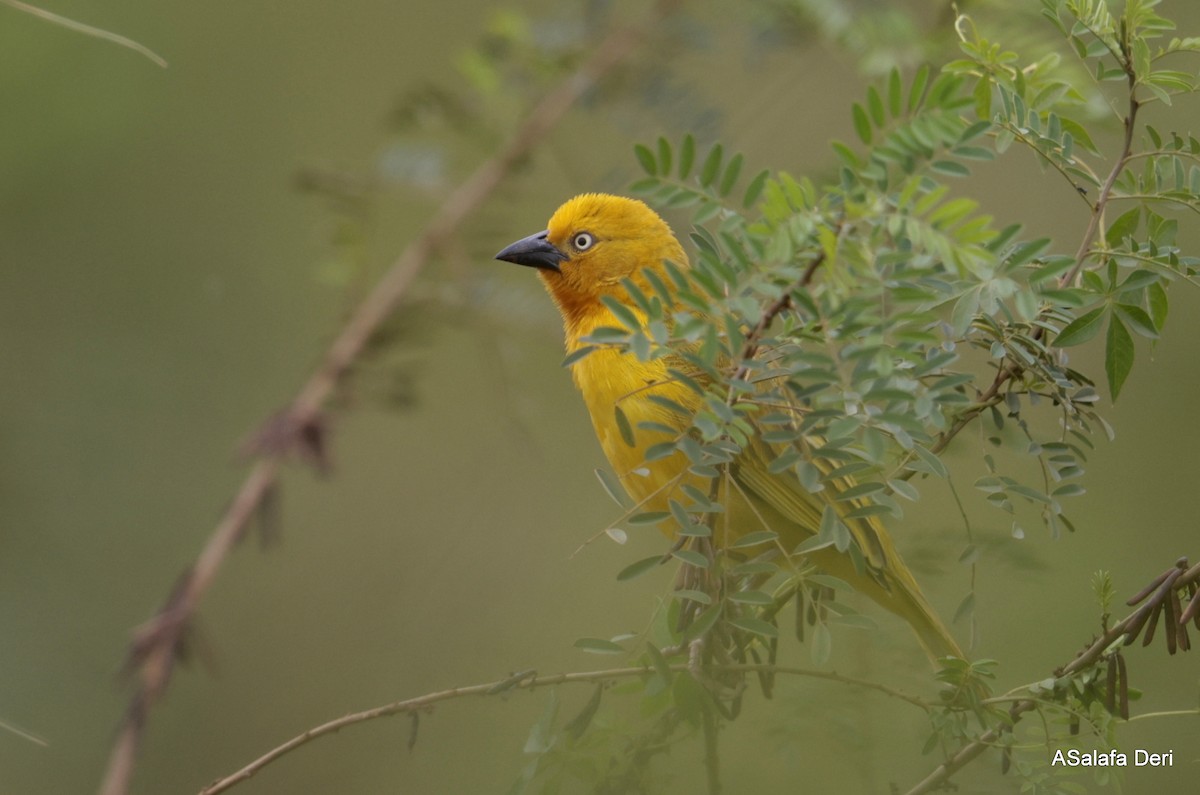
(87, 30)
(158, 643)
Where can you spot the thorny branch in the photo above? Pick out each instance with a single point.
(158, 643)
(1162, 597)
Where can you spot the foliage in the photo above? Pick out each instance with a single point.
(864, 321)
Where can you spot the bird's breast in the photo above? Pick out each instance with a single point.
(610, 380)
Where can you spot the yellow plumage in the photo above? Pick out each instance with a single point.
(590, 244)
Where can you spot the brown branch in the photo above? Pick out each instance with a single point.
(1161, 592)
(158, 643)
(1106, 190)
(750, 348)
(525, 681)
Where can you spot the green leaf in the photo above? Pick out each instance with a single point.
(755, 626)
(965, 309)
(965, 608)
(691, 557)
(703, 623)
(895, 93)
(646, 185)
(861, 490)
(829, 523)
(846, 154)
(931, 461)
(731, 174)
(687, 154)
(659, 662)
(1027, 251)
(1137, 319)
(754, 539)
(700, 597)
(1138, 280)
(622, 312)
(712, 164)
(617, 534)
(862, 124)
(917, 92)
(751, 598)
(579, 724)
(755, 188)
(647, 517)
(1118, 355)
(1156, 297)
(664, 155)
(1028, 493)
(1078, 133)
(682, 517)
(905, 489)
(950, 168)
(623, 425)
(875, 103)
(1125, 225)
(578, 354)
(1081, 329)
(646, 158)
(610, 484)
(640, 567)
(812, 544)
(542, 736)
(822, 644)
(599, 646)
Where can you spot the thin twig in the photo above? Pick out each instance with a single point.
(1106, 190)
(158, 643)
(750, 348)
(87, 30)
(526, 682)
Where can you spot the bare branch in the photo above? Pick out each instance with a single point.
(158, 643)
(86, 30)
(525, 681)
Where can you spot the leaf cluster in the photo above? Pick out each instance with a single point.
(854, 328)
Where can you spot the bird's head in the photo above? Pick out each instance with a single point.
(593, 242)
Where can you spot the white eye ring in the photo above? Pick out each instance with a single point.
(583, 241)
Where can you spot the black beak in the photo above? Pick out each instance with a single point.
(534, 251)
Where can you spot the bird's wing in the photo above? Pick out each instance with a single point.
(877, 571)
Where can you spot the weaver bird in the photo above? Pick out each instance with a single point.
(590, 245)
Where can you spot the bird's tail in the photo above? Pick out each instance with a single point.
(894, 588)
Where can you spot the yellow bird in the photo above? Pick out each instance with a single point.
(590, 244)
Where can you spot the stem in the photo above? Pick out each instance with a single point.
(1106, 190)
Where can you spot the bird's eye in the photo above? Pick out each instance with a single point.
(583, 241)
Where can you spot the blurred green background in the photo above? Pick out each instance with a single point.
(165, 286)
